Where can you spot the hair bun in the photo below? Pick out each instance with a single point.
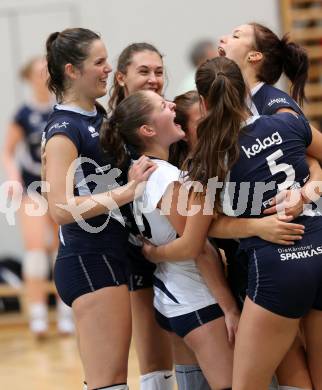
(51, 39)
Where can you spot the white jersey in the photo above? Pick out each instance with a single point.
(178, 286)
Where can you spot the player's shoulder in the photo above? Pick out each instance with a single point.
(165, 169)
(64, 120)
(274, 99)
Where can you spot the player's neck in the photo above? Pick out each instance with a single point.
(157, 151)
(250, 78)
(76, 100)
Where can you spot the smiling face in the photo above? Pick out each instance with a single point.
(238, 44)
(92, 77)
(165, 130)
(145, 72)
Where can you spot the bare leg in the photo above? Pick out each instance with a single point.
(103, 321)
(313, 336)
(152, 343)
(213, 351)
(35, 266)
(34, 236)
(188, 372)
(182, 354)
(293, 370)
(263, 338)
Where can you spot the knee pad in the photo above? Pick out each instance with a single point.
(35, 264)
(157, 380)
(191, 377)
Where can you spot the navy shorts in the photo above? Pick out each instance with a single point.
(237, 271)
(81, 274)
(140, 270)
(184, 324)
(287, 280)
(237, 267)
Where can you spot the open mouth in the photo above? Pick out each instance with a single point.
(221, 52)
(154, 89)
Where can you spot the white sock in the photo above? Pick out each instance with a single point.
(65, 320)
(190, 377)
(84, 386)
(38, 317)
(157, 380)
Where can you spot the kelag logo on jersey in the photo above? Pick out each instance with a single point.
(260, 145)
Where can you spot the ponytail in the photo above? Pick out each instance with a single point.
(281, 55)
(113, 143)
(51, 39)
(220, 82)
(296, 66)
(55, 80)
(116, 95)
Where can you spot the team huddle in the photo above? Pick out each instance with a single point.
(181, 242)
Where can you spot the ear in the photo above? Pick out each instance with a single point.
(254, 57)
(120, 78)
(146, 131)
(71, 71)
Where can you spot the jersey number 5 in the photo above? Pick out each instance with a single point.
(282, 167)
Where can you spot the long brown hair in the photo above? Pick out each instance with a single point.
(281, 56)
(220, 83)
(179, 151)
(122, 128)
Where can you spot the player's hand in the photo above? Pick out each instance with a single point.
(139, 173)
(279, 230)
(232, 320)
(149, 251)
(287, 202)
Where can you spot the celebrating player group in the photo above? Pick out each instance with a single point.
(198, 229)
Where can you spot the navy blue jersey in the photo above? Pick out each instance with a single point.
(272, 158)
(95, 173)
(267, 100)
(32, 121)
